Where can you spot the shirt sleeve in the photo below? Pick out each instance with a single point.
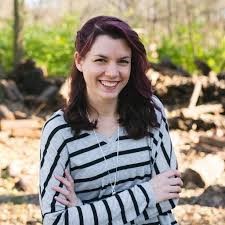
(163, 158)
(120, 208)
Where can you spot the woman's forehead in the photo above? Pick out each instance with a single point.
(104, 45)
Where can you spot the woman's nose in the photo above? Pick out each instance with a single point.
(112, 70)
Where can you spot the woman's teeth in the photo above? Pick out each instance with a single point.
(109, 83)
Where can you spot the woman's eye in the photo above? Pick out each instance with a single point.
(100, 60)
(124, 61)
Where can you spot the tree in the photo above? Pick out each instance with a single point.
(18, 31)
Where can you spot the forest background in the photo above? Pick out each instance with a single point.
(179, 30)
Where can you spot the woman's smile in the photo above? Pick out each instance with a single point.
(109, 83)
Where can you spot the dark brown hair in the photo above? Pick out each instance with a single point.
(136, 108)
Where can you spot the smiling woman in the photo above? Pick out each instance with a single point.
(109, 148)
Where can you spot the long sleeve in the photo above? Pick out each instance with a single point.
(120, 208)
(163, 158)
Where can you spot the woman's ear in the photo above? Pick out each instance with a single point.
(78, 61)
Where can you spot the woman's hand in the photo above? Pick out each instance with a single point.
(69, 195)
(166, 185)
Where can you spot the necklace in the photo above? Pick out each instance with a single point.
(112, 184)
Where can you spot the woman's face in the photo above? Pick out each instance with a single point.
(106, 68)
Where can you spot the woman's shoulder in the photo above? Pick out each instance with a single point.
(55, 122)
(159, 107)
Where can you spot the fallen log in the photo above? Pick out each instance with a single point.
(207, 148)
(20, 124)
(26, 132)
(195, 112)
(5, 113)
(47, 94)
(11, 90)
(213, 141)
(196, 93)
(20, 115)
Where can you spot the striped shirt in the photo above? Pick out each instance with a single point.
(138, 161)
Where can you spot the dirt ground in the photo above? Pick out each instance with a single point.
(21, 207)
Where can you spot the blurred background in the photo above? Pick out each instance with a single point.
(185, 43)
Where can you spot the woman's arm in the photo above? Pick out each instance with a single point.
(163, 159)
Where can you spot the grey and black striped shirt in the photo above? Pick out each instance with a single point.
(138, 161)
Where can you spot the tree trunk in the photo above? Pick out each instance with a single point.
(18, 31)
(169, 20)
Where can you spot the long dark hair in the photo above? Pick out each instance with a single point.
(136, 108)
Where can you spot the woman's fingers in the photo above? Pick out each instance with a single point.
(62, 201)
(174, 189)
(166, 185)
(176, 181)
(173, 195)
(61, 190)
(172, 173)
(68, 193)
(64, 181)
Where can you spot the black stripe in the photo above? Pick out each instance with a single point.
(171, 149)
(156, 169)
(165, 154)
(145, 148)
(67, 217)
(122, 208)
(53, 167)
(172, 203)
(125, 167)
(51, 120)
(124, 137)
(57, 193)
(160, 134)
(159, 208)
(153, 137)
(166, 123)
(165, 213)
(174, 222)
(164, 119)
(145, 193)
(146, 215)
(118, 182)
(167, 127)
(57, 219)
(156, 223)
(108, 211)
(134, 202)
(92, 147)
(51, 135)
(152, 160)
(80, 215)
(132, 222)
(94, 214)
(57, 159)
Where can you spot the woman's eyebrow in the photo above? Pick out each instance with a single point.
(103, 56)
(125, 57)
(100, 55)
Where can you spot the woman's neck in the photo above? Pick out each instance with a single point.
(105, 109)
